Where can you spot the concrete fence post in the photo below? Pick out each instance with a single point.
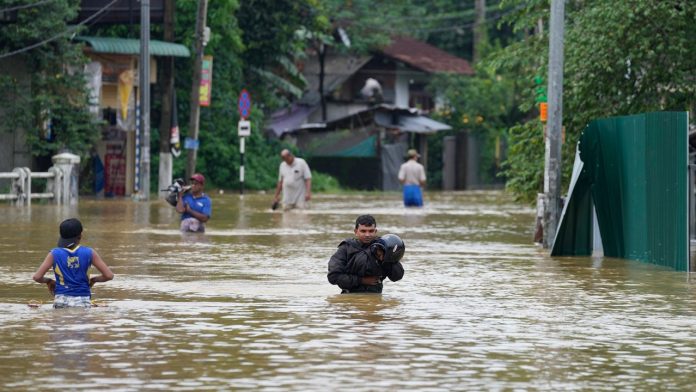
(27, 187)
(19, 186)
(54, 185)
(69, 164)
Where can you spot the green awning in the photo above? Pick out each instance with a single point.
(132, 46)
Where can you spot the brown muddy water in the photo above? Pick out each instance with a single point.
(247, 304)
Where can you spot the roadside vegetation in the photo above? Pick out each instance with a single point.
(620, 58)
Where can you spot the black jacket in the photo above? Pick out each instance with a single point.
(352, 261)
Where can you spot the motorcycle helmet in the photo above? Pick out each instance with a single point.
(394, 248)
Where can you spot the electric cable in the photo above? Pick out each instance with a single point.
(21, 7)
(55, 37)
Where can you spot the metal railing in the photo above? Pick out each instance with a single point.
(21, 193)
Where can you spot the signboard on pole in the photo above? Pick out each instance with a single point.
(244, 104)
(206, 81)
(543, 111)
(243, 128)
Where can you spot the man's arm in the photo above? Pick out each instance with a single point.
(203, 215)
(402, 174)
(100, 265)
(308, 189)
(180, 207)
(337, 270)
(43, 268)
(279, 187)
(421, 180)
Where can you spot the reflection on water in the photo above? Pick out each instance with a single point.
(247, 305)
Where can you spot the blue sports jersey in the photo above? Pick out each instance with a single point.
(201, 204)
(70, 268)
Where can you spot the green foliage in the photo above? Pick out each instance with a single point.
(324, 183)
(620, 58)
(487, 117)
(525, 175)
(270, 47)
(49, 98)
(218, 157)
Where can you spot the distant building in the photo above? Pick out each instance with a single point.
(112, 79)
(379, 99)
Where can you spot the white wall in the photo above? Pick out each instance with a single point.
(401, 87)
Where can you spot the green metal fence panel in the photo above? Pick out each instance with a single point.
(636, 169)
(575, 231)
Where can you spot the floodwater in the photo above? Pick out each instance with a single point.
(247, 304)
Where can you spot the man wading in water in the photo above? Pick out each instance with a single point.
(360, 264)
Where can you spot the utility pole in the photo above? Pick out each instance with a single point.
(480, 31)
(167, 85)
(144, 84)
(552, 168)
(322, 56)
(196, 85)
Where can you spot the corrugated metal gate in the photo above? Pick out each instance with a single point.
(634, 172)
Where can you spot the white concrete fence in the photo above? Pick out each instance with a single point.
(61, 182)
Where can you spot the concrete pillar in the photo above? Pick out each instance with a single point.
(69, 164)
(55, 185)
(19, 186)
(449, 169)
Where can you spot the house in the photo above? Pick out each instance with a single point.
(380, 97)
(113, 80)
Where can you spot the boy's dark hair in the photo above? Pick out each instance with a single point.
(365, 220)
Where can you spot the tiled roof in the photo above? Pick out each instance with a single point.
(426, 57)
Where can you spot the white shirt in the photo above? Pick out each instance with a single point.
(293, 177)
(411, 173)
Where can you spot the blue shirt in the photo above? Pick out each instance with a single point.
(201, 204)
(70, 267)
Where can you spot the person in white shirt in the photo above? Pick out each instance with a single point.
(412, 176)
(294, 180)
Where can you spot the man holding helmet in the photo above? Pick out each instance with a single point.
(360, 264)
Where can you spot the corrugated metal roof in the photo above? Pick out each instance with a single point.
(132, 46)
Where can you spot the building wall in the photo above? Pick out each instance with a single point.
(14, 151)
(117, 147)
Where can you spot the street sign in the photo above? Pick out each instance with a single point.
(243, 128)
(244, 104)
(191, 144)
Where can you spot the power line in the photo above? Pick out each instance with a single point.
(466, 25)
(21, 7)
(55, 37)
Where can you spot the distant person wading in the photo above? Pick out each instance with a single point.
(412, 176)
(294, 181)
(194, 206)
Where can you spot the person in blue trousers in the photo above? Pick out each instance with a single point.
(412, 177)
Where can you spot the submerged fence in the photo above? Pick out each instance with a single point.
(61, 182)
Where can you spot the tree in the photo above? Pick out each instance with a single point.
(621, 58)
(53, 106)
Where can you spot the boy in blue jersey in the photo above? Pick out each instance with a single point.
(194, 206)
(70, 262)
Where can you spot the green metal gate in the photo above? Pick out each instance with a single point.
(634, 172)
